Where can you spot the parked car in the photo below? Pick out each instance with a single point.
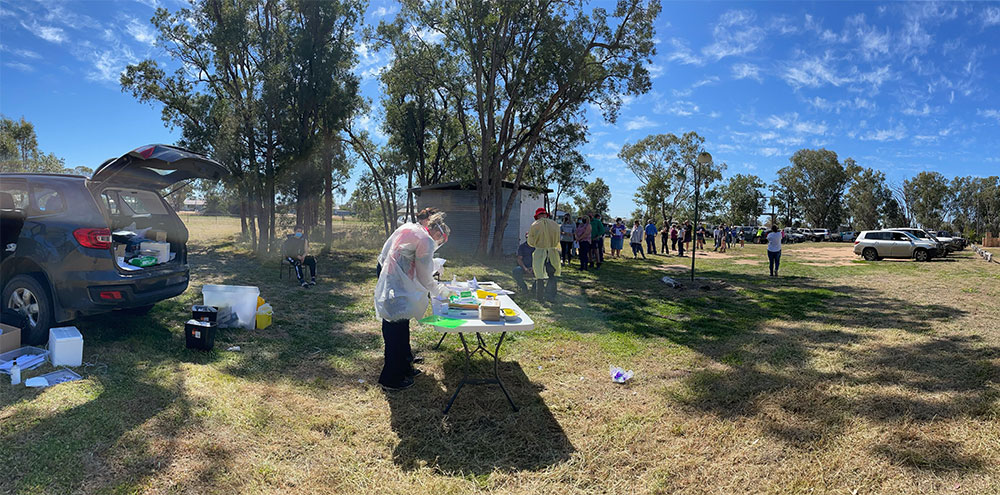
(848, 236)
(63, 235)
(793, 235)
(873, 245)
(951, 243)
(818, 235)
(923, 234)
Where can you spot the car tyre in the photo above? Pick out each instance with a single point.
(921, 255)
(870, 254)
(29, 297)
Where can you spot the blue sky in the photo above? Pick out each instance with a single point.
(901, 87)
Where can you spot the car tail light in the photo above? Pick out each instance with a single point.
(93, 238)
(113, 295)
(856, 242)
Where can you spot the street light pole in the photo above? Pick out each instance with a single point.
(703, 158)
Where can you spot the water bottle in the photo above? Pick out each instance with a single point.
(15, 374)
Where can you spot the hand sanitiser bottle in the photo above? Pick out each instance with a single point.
(15, 374)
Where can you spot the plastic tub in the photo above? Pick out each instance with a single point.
(240, 299)
(65, 346)
(162, 250)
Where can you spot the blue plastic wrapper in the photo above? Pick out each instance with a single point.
(619, 375)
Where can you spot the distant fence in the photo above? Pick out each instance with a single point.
(990, 241)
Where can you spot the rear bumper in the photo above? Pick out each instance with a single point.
(92, 292)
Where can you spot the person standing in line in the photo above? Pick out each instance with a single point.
(543, 235)
(635, 240)
(673, 240)
(566, 233)
(650, 237)
(741, 235)
(664, 237)
(617, 238)
(583, 238)
(597, 232)
(681, 229)
(773, 250)
(700, 237)
(715, 237)
(688, 234)
(723, 232)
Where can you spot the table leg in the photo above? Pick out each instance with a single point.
(438, 346)
(496, 373)
(481, 346)
(465, 375)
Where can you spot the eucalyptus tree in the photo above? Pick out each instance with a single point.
(928, 192)
(520, 67)
(742, 200)
(868, 201)
(665, 166)
(595, 197)
(818, 184)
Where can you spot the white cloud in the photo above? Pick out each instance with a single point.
(809, 128)
(604, 157)
(894, 134)
(681, 108)
(149, 3)
(769, 151)
(991, 16)
(707, 80)
(20, 66)
(747, 71)
(141, 32)
(989, 113)
(812, 72)
(919, 112)
(640, 122)
(777, 122)
(611, 145)
(791, 140)
(20, 52)
(682, 93)
(51, 34)
(654, 70)
(682, 53)
(384, 11)
(735, 34)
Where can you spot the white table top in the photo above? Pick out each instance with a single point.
(474, 324)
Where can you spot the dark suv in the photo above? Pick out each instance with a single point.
(59, 255)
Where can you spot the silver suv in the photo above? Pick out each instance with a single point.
(926, 236)
(874, 245)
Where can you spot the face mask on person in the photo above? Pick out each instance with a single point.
(298, 234)
(443, 238)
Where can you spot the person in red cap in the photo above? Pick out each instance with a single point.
(544, 237)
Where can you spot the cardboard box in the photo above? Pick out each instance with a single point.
(120, 251)
(10, 338)
(157, 235)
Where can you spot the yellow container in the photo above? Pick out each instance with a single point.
(264, 313)
(260, 301)
(482, 294)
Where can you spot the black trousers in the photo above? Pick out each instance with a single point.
(567, 251)
(308, 261)
(664, 244)
(398, 354)
(584, 254)
(773, 261)
(651, 243)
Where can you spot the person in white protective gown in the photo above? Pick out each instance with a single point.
(404, 286)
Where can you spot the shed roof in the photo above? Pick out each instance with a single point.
(467, 185)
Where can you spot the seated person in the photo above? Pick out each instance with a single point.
(524, 254)
(297, 253)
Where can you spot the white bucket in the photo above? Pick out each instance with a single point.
(241, 299)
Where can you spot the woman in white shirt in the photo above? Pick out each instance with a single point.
(774, 250)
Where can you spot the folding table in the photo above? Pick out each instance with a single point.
(472, 324)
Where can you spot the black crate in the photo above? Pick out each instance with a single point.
(199, 334)
(205, 313)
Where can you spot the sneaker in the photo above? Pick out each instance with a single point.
(415, 372)
(403, 385)
(305, 285)
(312, 282)
(418, 359)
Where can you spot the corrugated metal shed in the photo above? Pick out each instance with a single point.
(461, 202)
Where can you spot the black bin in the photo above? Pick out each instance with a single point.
(199, 334)
(205, 313)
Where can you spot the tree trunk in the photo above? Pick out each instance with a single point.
(328, 194)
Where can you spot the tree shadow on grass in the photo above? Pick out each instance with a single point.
(806, 357)
(481, 434)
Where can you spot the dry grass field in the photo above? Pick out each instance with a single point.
(841, 376)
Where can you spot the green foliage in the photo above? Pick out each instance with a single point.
(665, 166)
(927, 193)
(816, 181)
(870, 202)
(594, 198)
(743, 201)
(19, 151)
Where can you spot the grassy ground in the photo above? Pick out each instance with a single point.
(839, 377)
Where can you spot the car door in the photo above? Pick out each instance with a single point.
(902, 245)
(157, 166)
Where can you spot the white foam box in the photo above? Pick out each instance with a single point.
(162, 250)
(65, 346)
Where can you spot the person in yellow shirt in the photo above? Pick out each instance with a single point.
(544, 237)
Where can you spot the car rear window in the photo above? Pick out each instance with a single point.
(46, 200)
(18, 192)
(143, 202)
